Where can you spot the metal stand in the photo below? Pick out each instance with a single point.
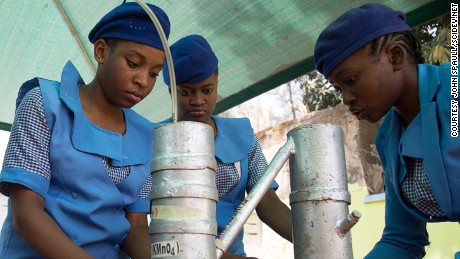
(184, 193)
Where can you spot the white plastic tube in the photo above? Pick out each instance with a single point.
(164, 41)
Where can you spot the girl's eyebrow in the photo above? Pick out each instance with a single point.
(135, 51)
(339, 74)
(144, 58)
(183, 86)
(207, 85)
(158, 66)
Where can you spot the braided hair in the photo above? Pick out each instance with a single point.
(405, 39)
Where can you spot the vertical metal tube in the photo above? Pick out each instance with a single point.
(319, 194)
(252, 200)
(184, 194)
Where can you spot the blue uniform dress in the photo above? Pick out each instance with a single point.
(236, 145)
(89, 178)
(428, 139)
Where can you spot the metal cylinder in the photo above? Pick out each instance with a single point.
(184, 194)
(319, 194)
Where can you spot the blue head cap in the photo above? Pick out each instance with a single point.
(352, 30)
(129, 21)
(194, 61)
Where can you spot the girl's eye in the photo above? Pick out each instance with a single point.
(208, 91)
(337, 88)
(132, 64)
(350, 80)
(184, 92)
(153, 74)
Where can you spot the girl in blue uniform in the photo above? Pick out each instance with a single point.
(240, 161)
(370, 55)
(76, 168)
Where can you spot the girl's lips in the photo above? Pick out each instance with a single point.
(134, 97)
(197, 112)
(358, 113)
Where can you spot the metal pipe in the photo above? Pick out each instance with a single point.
(253, 198)
(184, 194)
(319, 195)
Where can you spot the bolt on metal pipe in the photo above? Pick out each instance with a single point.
(343, 226)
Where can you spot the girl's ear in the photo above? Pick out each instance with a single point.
(396, 56)
(100, 50)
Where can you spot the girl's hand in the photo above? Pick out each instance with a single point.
(37, 228)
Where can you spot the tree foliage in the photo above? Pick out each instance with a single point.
(319, 94)
(434, 37)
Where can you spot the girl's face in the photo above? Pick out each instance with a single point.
(196, 102)
(370, 85)
(128, 71)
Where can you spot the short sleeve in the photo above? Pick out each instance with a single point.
(26, 160)
(257, 164)
(142, 203)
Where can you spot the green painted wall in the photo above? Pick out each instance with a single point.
(444, 237)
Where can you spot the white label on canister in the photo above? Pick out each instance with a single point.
(163, 249)
(177, 213)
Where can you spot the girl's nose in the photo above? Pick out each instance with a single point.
(348, 98)
(144, 80)
(197, 99)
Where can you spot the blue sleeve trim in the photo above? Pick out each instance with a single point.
(274, 185)
(140, 205)
(25, 88)
(33, 181)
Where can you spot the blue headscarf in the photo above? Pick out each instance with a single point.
(194, 61)
(352, 30)
(129, 21)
